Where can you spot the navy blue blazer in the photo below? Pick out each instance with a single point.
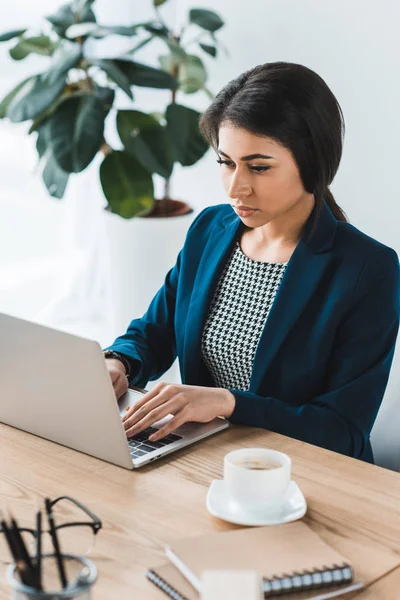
(323, 360)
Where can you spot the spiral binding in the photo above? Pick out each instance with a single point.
(307, 580)
(279, 585)
(164, 586)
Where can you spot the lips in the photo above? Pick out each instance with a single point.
(245, 212)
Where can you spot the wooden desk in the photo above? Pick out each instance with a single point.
(353, 505)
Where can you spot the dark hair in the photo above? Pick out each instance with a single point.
(294, 106)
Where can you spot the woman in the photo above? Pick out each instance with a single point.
(283, 315)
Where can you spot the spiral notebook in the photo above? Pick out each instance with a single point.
(172, 584)
(292, 560)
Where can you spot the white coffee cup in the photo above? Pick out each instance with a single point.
(257, 478)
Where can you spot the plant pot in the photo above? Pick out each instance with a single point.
(168, 208)
(142, 250)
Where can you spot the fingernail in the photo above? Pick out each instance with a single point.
(127, 408)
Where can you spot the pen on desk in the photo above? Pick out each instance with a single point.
(56, 545)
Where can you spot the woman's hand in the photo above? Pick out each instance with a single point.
(185, 402)
(118, 376)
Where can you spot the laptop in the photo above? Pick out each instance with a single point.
(56, 385)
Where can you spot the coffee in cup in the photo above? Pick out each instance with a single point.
(257, 465)
(257, 478)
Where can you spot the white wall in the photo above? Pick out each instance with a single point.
(354, 45)
(31, 224)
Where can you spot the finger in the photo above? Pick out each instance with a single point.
(152, 399)
(179, 419)
(151, 418)
(131, 419)
(146, 398)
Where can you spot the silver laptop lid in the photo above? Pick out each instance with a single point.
(56, 385)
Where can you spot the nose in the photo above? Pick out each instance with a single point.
(239, 187)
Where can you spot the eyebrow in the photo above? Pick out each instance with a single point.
(248, 157)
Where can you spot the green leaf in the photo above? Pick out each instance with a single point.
(65, 17)
(209, 49)
(127, 185)
(34, 98)
(45, 114)
(82, 11)
(42, 139)
(87, 16)
(81, 30)
(192, 75)
(139, 46)
(76, 131)
(41, 44)
(142, 75)
(156, 28)
(182, 125)
(121, 30)
(158, 2)
(106, 95)
(207, 19)
(66, 57)
(116, 74)
(4, 104)
(9, 35)
(146, 140)
(62, 19)
(55, 179)
(96, 31)
(80, 6)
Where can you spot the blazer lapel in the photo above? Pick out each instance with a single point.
(299, 282)
(304, 271)
(216, 252)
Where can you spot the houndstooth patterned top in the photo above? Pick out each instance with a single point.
(241, 303)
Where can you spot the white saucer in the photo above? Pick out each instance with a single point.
(221, 505)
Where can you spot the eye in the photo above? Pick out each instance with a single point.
(260, 168)
(228, 163)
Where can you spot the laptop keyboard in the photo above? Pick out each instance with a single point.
(139, 444)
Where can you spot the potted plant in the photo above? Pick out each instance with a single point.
(68, 105)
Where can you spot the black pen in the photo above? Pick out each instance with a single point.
(56, 545)
(20, 544)
(15, 550)
(39, 548)
(10, 540)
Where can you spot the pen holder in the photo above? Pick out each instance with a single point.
(81, 574)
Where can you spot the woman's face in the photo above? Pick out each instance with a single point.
(259, 173)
